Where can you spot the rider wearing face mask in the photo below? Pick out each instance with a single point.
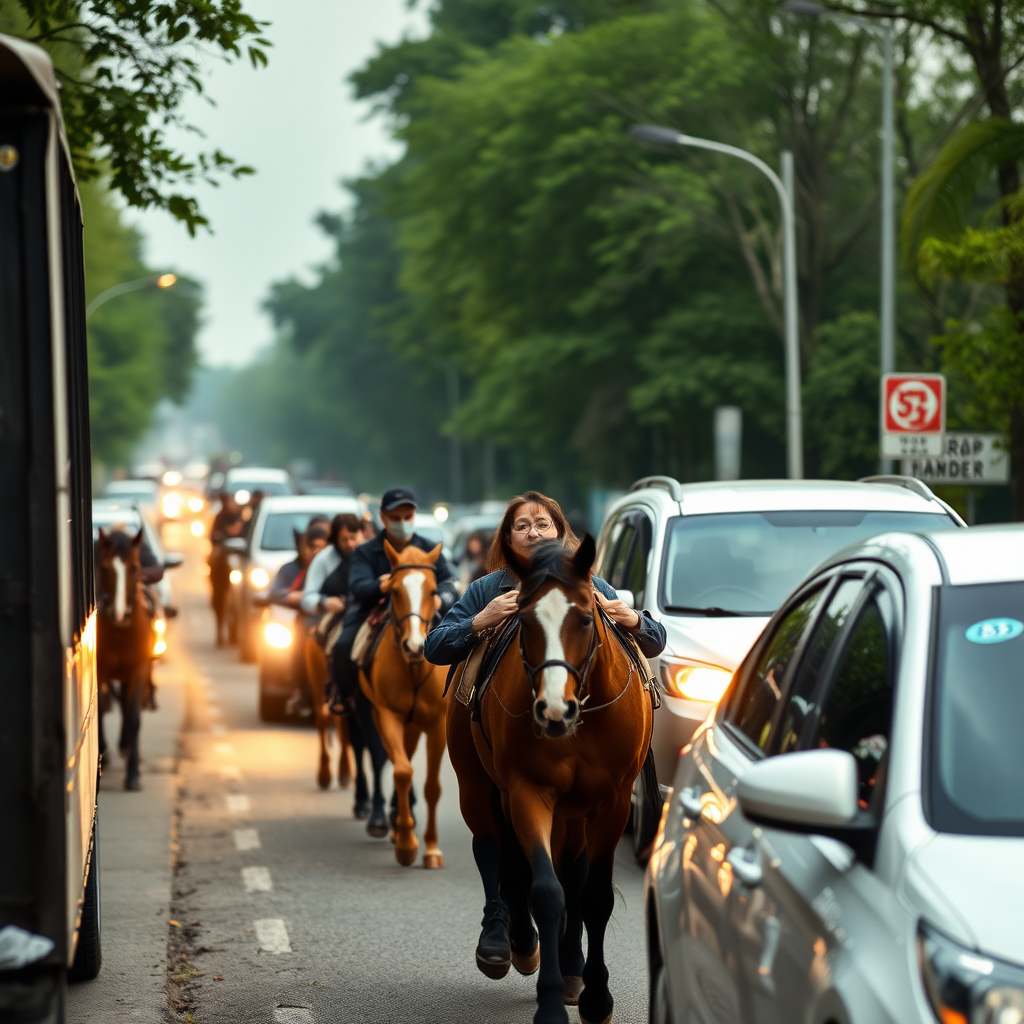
(370, 567)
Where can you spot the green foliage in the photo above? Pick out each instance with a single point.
(125, 68)
(141, 344)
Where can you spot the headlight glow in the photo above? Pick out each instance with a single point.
(195, 504)
(172, 505)
(160, 625)
(242, 496)
(694, 680)
(441, 514)
(159, 647)
(236, 576)
(277, 635)
(966, 988)
(197, 529)
(172, 478)
(259, 577)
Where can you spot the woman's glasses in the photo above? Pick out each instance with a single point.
(541, 526)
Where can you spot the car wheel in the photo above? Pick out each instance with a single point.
(645, 824)
(88, 954)
(272, 705)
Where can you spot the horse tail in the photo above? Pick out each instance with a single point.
(649, 784)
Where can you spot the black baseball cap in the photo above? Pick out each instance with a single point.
(397, 496)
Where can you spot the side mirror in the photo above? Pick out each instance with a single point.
(236, 545)
(808, 789)
(172, 559)
(626, 597)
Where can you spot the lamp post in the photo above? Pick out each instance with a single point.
(153, 281)
(657, 135)
(887, 313)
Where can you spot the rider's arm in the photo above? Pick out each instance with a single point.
(319, 569)
(282, 583)
(650, 634)
(363, 582)
(453, 639)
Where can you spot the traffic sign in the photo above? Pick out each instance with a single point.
(913, 414)
(968, 458)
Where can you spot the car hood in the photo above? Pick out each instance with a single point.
(972, 887)
(718, 641)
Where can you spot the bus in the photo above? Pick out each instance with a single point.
(49, 753)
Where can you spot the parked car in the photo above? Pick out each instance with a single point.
(271, 543)
(142, 492)
(713, 561)
(844, 836)
(244, 481)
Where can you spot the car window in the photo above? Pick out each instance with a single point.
(757, 701)
(609, 546)
(623, 549)
(279, 530)
(635, 576)
(801, 696)
(856, 713)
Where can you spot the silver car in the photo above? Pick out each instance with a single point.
(844, 836)
(713, 561)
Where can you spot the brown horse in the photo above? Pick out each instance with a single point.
(124, 639)
(547, 772)
(326, 723)
(407, 694)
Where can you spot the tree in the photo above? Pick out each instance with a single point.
(125, 68)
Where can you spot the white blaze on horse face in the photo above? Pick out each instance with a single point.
(120, 589)
(551, 611)
(413, 583)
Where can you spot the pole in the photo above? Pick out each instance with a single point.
(888, 310)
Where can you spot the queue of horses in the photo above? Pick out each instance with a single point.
(546, 797)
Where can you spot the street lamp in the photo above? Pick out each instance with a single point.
(153, 281)
(810, 9)
(656, 135)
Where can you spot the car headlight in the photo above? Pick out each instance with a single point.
(197, 529)
(159, 626)
(235, 576)
(964, 987)
(159, 647)
(259, 577)
(277, 635)
(195, 504)
(694, 680)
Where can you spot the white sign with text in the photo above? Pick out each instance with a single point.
(967, 458)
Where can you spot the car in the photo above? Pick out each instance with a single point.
(244, 481)
(271, 543)
(276, 639)
(712, 562)
(844, 834)
(142, 492)
(432, 531)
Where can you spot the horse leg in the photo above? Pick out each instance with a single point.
(516, 878)
(436, 739)
(532, 813)
(345, 756)
(393, 734)
(377, 826)
(361, 803)
(132, 692)
(570, 949)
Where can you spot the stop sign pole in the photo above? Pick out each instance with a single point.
(913, 415)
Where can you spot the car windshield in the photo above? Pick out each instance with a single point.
(278, 530)
(266, 486)
(977, 759)
(135, 490)
(745, 563)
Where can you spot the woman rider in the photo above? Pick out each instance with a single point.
(488, 602)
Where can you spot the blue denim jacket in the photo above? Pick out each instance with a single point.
(452, 640)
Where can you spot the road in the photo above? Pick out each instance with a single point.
(284, 910)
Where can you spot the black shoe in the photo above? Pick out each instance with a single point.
(493, 951)
(377, 826)
(361, 810)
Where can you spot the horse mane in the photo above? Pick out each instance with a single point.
(121, 542)
(551, 560)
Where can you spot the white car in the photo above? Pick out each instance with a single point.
(142, 492)
(713, 561)
(244, 481)
(844, 836)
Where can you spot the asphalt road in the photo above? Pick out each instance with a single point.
(283, 909)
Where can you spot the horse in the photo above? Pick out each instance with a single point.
(545, 779)
(220, 594)
(407, 695)
(327, 724)
(124, 639)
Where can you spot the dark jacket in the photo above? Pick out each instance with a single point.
(453, 639)
(369, 562)
(282, 584)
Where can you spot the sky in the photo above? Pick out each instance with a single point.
(297, 124)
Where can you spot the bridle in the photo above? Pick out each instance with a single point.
(397, 620)
(105, 604)
(578, 672)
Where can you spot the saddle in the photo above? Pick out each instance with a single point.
(473, 676)
(367, 640)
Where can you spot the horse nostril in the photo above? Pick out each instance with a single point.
(572, 710)
(540, 707)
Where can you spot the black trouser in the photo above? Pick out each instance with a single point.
(344, 671)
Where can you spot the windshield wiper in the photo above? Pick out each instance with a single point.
(711, 612)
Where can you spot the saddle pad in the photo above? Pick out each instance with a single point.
(492, 655)
(466, 673)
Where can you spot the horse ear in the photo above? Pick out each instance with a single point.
(433, 554)
(583, 560)
(104, 539)
(393, 556)
(137, 539)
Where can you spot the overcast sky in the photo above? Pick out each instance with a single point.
(296, 123)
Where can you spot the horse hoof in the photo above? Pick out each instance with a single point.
(572, 990)
(494, 969)
(527, 963)
(607, 1020)
(378, 826)
(361, 810)
(323, 780)
(345, 781)
(433, 859)
(406, 856)
(132, 782)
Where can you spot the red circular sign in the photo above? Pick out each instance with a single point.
(913, 405)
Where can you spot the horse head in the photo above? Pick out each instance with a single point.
(557, 637)
(119, 570)
(413, 587)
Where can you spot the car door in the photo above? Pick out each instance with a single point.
(793, 903)
(706, 782)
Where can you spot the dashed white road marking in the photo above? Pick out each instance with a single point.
(293, 1015)
(224, 749)
(272, 935)
(230, 773)
(238, 803)
(247, 839)
(257, 880)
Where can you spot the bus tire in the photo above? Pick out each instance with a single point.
(89, 955)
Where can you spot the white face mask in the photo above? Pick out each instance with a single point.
(401, 529)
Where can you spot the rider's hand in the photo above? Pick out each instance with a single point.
(332, 604)
(621, 613)
(293, 598)
(385, 583)
(496, 611)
